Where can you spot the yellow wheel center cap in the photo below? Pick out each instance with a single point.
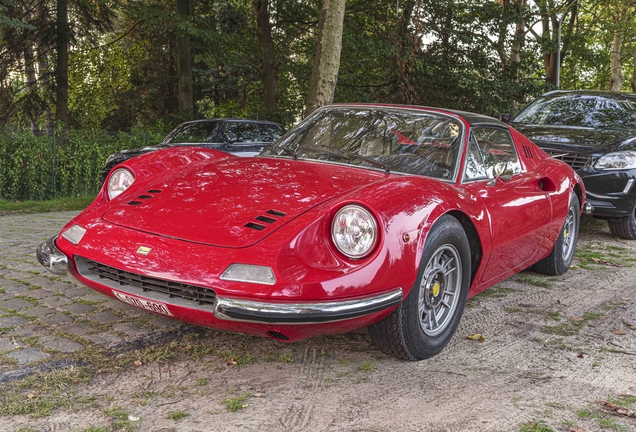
(436, 288)
(565, 233)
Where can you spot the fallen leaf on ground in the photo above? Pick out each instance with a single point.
(477, 337)
(605, 262)
(578, 319)
(616, 409)
(618, 332)
(137, 363)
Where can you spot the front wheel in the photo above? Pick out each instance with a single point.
(624, 228)
(559, 260)
(427, 319)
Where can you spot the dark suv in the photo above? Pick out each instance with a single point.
(236, 136)
(595, 133)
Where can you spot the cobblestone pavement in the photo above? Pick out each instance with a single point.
(45, 318)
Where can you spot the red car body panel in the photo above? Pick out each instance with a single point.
(196, 227)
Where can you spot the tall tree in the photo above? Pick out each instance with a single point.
(269, 70)
(184, 63)
(324, 76)
(61, 69)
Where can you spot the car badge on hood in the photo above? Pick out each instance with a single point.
(144, 250)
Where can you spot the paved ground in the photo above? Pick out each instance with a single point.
(54, 316)
(554, 348)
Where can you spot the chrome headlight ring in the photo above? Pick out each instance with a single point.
(119, 180)
(354, 231)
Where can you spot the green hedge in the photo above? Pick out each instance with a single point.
(29, 165)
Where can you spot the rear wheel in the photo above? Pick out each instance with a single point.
(624, 228)
(427, 319)
(559, 260)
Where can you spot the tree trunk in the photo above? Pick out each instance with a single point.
(633, 83)
(184, 63)
(520, 34)
(406, 51)
(616, 74)
(61, 70)
(31, 82)
(269, 70)
(324, 76)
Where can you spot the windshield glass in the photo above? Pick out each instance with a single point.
(395, 140)
(195, 132)
(591, 111)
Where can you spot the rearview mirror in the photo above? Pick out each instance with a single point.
(505, 117)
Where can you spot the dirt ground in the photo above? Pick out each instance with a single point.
(553, 349)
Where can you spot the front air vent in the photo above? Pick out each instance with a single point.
(134, 203)
(154, 191)
(144, 197)
(116, 278)
(265, 219)
(527, 151)
(255, 226)
(575, 160)
(276, 213)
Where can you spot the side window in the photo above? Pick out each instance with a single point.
(270, 133)
(245, 132)
(491, 146)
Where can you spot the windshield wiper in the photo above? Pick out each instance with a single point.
(289, 151)
(372, 161)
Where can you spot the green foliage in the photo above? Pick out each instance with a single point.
(75, 159)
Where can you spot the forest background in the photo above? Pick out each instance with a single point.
(143, 66)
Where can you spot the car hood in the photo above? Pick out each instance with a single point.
(581, 140)
(234, 202)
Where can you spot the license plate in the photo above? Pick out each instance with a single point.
(152, 306)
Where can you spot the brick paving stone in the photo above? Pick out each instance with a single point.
(5, 296)
(103, 317)
(77, 291)
(134, 312)
(7, 344)
(94, 297)
(56, 301)
(56, 319)
(104, 339)
(76, 328)
(77, 308)
(116, 304)
(16, 304)
(39, 311)
(13, 321)
(28, 355)
(132, 329)
(38, 293)
(41, 281)
(15, 288)
(30, 330)
(60, 344)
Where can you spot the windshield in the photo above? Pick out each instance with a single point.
(394, 140)
(591, 111)
(195, 132)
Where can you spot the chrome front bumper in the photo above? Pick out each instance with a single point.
(51, 257)
(303, 313)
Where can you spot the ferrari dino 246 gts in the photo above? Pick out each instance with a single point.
(386, 217)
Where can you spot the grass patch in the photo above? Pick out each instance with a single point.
(234, 404)
(497, 292)
(572, 326)
(60, 204)
(597, 255)
(38, 395)
(534, 280)
(536, 426)
(119, 418)
(367, 366)
(177, 415)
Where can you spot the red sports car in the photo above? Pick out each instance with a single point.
(386, 217)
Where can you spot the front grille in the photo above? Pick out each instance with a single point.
(194, 293)
(575, 160)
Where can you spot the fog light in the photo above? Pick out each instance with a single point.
(249, 273)
(74, 234)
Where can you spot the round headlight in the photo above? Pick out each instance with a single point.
(618, 160)
(354, 231)
(119, 181)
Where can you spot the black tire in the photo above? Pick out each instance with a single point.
(410, 331)
(624, 228)
(560, 259)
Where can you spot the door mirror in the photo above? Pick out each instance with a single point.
(230, 138)
(505, 117)
(503, 172)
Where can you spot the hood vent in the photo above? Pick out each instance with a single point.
(134, 203)
(265, 219)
